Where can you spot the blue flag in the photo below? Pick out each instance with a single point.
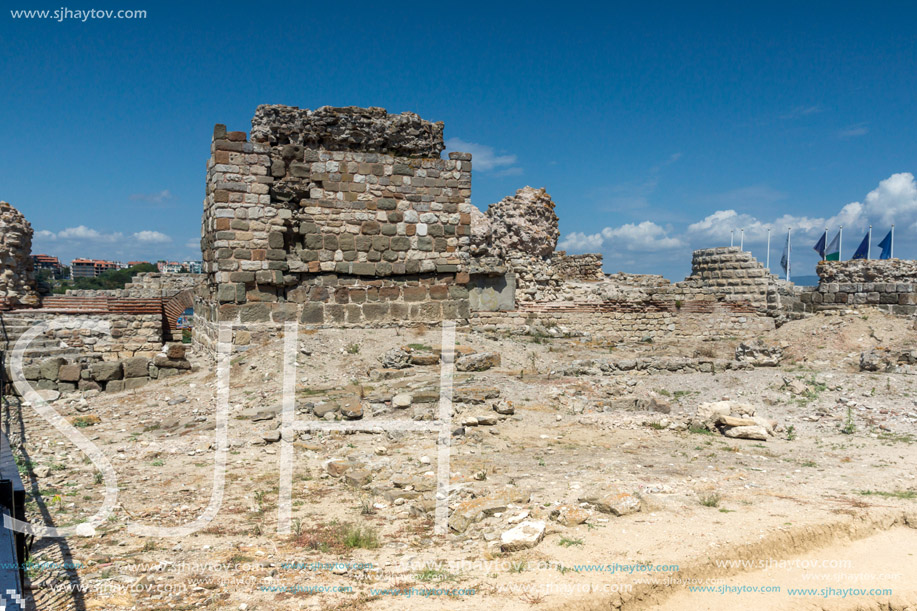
(784, 263)
(820, 246)
(886, 246)
(863, 249)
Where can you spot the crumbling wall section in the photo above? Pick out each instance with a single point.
(579, 268)
(17, 272)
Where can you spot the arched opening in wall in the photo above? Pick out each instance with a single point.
(185, 324)
(178, 317)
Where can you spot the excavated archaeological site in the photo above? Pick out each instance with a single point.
(394, 400)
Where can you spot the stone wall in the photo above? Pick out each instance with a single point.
(889, 285)
(348, 213)
(867, 270)
(146, 285)
(131, 334)
(85, 373)
(579, 268)
(17, 273)
(731, 273)
(639, 322)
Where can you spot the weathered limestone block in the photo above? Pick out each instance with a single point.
(105, 371)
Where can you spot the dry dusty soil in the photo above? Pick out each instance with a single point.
(819, 515)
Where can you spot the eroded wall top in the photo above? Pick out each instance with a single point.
(350, 128)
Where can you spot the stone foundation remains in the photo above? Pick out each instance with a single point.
(85, 373)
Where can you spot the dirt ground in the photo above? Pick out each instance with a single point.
(820, 515)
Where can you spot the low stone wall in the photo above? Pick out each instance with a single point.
(131, 334)
(889, 285)
(891, 297)
(867, 271)
(146, 285)
(633, 326)
(329, 300)
(643, 281)
(540, 279)
(85, 374)
(579, 268)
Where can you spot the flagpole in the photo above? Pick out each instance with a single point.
(893, 242)
(824, 251)
(742, 240)
(768, 264)
(732, 238)
(840, 243)
(789, 250)
(868, 242)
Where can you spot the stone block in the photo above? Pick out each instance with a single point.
(105, 371)
(136, 367)
(114, 386)
(50, 368)
(69, 373)
(312, 313)
(164, 362)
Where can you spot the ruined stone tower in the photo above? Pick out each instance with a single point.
(335, 216)
(17, 273)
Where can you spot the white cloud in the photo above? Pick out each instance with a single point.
(152, 198)
(854, 131)
(82, 232)
(193, 244)
(580, 242)
(893, 201)
(515, 171)
(642, 237)
(803, 111)
(483, 157)
(151, 237)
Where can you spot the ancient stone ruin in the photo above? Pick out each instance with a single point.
(889, 285)
(339, 215)
(17, 273)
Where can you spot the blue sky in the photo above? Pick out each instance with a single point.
(656, 128)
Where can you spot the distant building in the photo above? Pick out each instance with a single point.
(169, 267)
(90, 268)
(49, 263)
(136, 263)
(193, 267)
